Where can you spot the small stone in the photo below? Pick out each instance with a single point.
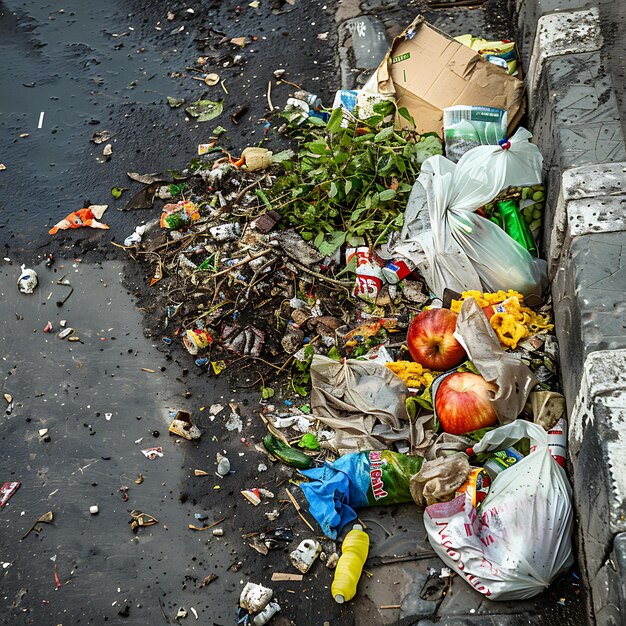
(93, 509)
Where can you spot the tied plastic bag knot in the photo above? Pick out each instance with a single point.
(504, 143)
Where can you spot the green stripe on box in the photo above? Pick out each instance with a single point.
(401, 57)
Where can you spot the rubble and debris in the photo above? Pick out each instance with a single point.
(182, 426)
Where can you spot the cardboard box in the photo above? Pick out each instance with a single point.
(427, 71)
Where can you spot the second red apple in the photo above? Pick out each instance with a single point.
(431, 340)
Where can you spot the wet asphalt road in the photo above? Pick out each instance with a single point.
(108, 67)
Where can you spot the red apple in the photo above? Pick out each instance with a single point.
(462, 403)
(431, 340)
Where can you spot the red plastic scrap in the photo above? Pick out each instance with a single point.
(7, 490)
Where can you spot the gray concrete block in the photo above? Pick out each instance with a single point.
(558, 34)
(588, 199)
(609, 586)
(589, 295)
(575, 118)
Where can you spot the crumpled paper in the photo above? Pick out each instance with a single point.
(438, 480)
(512, 377)
(547, 407)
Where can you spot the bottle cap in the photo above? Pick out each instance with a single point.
(339, 599)
(469, 451)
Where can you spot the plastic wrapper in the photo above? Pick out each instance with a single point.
(362, 479)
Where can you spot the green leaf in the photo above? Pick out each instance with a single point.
(177, 190)
(387, 194)
(175, 102)
(333, 191)
(329, 245)
(384, 108)
(309, 442)
(263, 197)
(334, 123)
(348, 187)
(333, 354)
(384, 134)
(317, 147)
(267, 392)
(116, 192)
(404, 112)
(283, 155)
(205, 110)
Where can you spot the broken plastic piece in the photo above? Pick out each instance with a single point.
(7, 490)
(254, 598)
(183, 427)
(137, 518)
(305, 554)
(84, 217)
(27, 280)
(252, 495)
(152, 453)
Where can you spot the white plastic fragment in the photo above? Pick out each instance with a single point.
(93, 509)
(255, 597)
(27, 280)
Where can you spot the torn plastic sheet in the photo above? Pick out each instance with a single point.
(364, 402)
(512, 377)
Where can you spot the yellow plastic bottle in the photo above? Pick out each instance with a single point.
(354, 551)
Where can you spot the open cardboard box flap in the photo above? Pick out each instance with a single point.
(427, 71)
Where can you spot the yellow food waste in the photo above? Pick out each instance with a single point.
(512, 321)
(413, 374)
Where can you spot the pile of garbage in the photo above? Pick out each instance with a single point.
(403, 290)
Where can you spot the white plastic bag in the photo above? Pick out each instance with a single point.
(520, 539)
(462, 250)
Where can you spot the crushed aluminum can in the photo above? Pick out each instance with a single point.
(362, 254)
(183, 426)
(225, 232)
(27, 280)
(197, 339)
(369, 281)
(398, 270)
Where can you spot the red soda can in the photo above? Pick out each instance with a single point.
(397, 270)
(362, 254)
(369, 281)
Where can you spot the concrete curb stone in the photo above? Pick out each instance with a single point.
(575, 120)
